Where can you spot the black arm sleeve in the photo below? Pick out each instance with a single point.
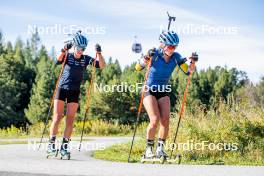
(60, 62)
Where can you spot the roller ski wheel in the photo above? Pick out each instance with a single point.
(147, 159)
(64, 154)
(153, 159)
(143, 159)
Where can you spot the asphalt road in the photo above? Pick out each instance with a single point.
(24, 159)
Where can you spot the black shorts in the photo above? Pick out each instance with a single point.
(156, 94)
(72, 96)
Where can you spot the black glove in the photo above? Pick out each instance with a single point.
(98, 48)
(152, 52)
(195, 56)
(67, 46)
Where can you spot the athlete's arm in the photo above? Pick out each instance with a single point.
(61, 58)
(101, 61)
(181, 62)
(188, 68)
(98, 50)
(145, 60)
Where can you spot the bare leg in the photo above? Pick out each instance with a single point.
(57, 116)
(164, 106)
(71, 112)
(151, 106)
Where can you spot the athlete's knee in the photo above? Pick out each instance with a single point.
(57, 117)
(154, 124)
(70, 119)
(164, 121)
(70, 116)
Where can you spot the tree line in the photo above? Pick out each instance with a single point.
(28, 75)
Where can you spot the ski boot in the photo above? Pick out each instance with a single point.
(64, 150)
(51, 150)
(161, 154)
(148, 155)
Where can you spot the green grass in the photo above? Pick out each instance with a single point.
(119, 153)
(12, 142)
(242, 126)
(92, 128)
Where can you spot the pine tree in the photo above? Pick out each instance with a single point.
(9, 48)
(42, 89)
(1, 43)
(35, 42)
(13, 90)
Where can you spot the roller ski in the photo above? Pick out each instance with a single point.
(153, 159)
(162, 155)
(161, 158)
(149, 155)
(64, 151)
(51, 151)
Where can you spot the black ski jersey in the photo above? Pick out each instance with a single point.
(72, 75)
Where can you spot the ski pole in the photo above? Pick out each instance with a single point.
(139, 108)
(171, 18)
(182, 107)
(87, 107)
(52, 99)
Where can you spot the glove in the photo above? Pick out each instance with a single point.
(194, 57)
(66, 47)
(152, 52)
(138, 67)
(98, 48)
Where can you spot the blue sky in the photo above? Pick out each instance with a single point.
(114, 24)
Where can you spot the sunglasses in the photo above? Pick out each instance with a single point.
(79, 48)
(171, 47)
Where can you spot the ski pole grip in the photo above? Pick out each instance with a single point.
(195, 56)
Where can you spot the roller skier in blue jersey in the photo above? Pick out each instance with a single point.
(156, 96)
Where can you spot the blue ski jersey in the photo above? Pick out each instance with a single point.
(72, 75)
(160, 71)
